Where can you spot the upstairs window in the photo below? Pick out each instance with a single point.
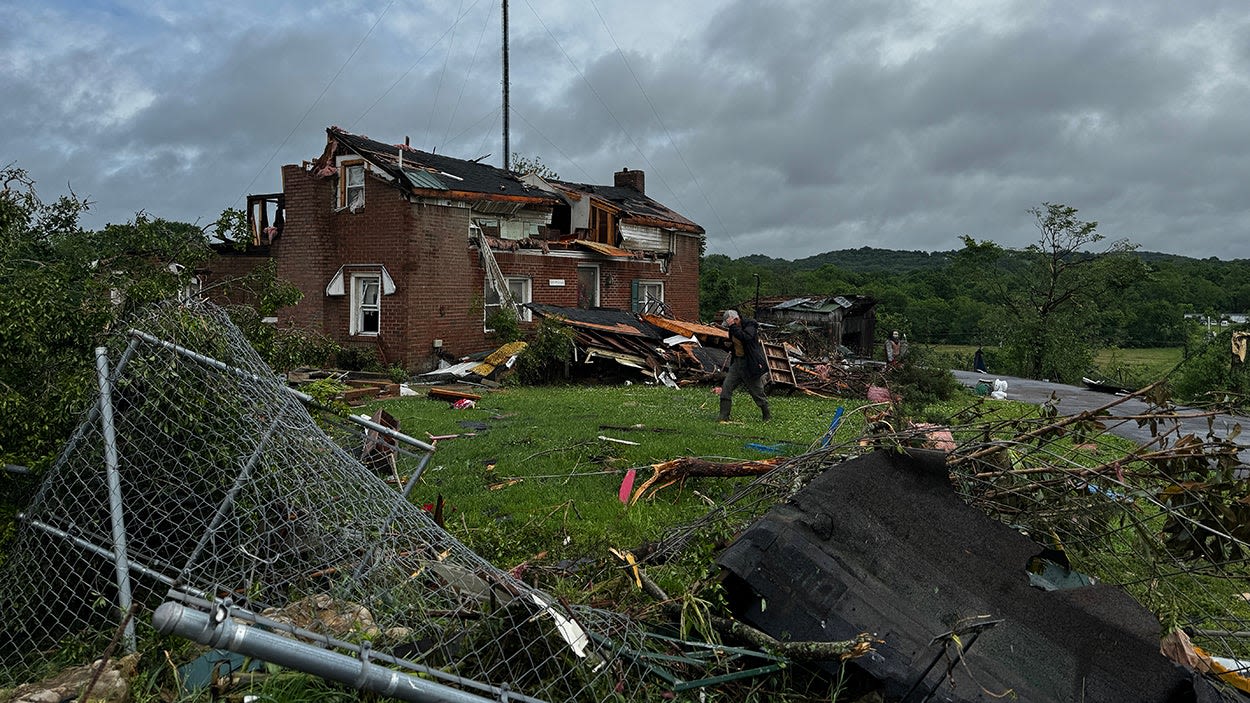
(601, 226)
(352, 186)
(366, 304)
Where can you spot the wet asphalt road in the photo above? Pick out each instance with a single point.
(1075, 399)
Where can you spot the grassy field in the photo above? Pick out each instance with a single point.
(544, 473)
(1151, 363)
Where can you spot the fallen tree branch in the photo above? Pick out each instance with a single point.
(1063, 422)
(683, 468)
(807, 651)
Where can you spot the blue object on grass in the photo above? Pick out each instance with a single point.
(833, 427)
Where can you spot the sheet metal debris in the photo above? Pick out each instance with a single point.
(882, 543)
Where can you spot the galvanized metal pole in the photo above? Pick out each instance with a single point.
(321, 640)
(94, 412)
(141, 569)
(219, 629)
(116, 510)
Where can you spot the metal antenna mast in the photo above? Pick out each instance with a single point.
(507, 149)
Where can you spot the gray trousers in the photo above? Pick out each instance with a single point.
(737, 376)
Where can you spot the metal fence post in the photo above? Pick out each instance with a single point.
(115, 496)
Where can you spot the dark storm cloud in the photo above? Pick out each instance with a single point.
(791, 127)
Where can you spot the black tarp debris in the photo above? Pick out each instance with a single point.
(883, 544)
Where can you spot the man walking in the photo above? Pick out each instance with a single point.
(747, 364)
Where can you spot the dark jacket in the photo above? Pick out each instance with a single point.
(746, 336)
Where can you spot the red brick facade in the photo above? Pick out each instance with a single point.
(438, 275)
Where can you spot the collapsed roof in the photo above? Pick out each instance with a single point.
(657, 347)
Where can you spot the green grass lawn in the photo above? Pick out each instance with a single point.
(540, 479)
(1151, 363)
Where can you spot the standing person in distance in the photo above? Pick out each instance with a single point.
(747, 364)
(895, 349)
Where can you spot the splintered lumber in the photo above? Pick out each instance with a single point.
(669, 472)
(451, 394)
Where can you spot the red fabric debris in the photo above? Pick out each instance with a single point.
(627, 486)
(877, 394)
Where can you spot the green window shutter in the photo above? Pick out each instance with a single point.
(633, 295)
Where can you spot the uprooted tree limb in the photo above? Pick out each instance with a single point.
(806, 651)
(669, 472)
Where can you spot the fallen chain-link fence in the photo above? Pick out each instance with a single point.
(201, 489)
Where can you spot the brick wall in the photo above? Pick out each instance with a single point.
(438, 276)
(303, 251)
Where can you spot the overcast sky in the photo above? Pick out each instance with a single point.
(785, 127)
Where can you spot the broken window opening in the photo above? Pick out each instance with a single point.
(366, 304)
(520, 289)
(352, 190)
(602, 226)
(587, 287)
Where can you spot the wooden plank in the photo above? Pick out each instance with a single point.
(440, 393)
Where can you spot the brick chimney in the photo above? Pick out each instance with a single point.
(631, 179)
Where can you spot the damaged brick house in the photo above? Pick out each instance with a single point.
(413, 253)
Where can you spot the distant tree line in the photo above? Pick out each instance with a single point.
(1068, 294)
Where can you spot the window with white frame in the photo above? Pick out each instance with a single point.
(352, 188)
(521, 290)
(648, 296)
(366, 304)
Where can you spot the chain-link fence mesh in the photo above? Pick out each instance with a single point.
(229, 492)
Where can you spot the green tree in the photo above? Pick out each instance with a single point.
(61, 289)
(1050, 298)
(522, 165)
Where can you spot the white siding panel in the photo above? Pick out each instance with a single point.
(643, 238)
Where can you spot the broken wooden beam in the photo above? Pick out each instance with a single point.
(450, 394)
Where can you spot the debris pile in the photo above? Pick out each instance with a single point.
(614, 343)
(1038, 556)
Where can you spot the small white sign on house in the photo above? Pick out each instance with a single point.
(555, 282)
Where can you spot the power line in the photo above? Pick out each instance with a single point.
(464, 83)
(413, 66)
(559, 151)
(603, 103)
(667, 134)
(438, 89)
(324, 90)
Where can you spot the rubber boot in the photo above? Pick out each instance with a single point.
(725, 405)
(768, 415)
